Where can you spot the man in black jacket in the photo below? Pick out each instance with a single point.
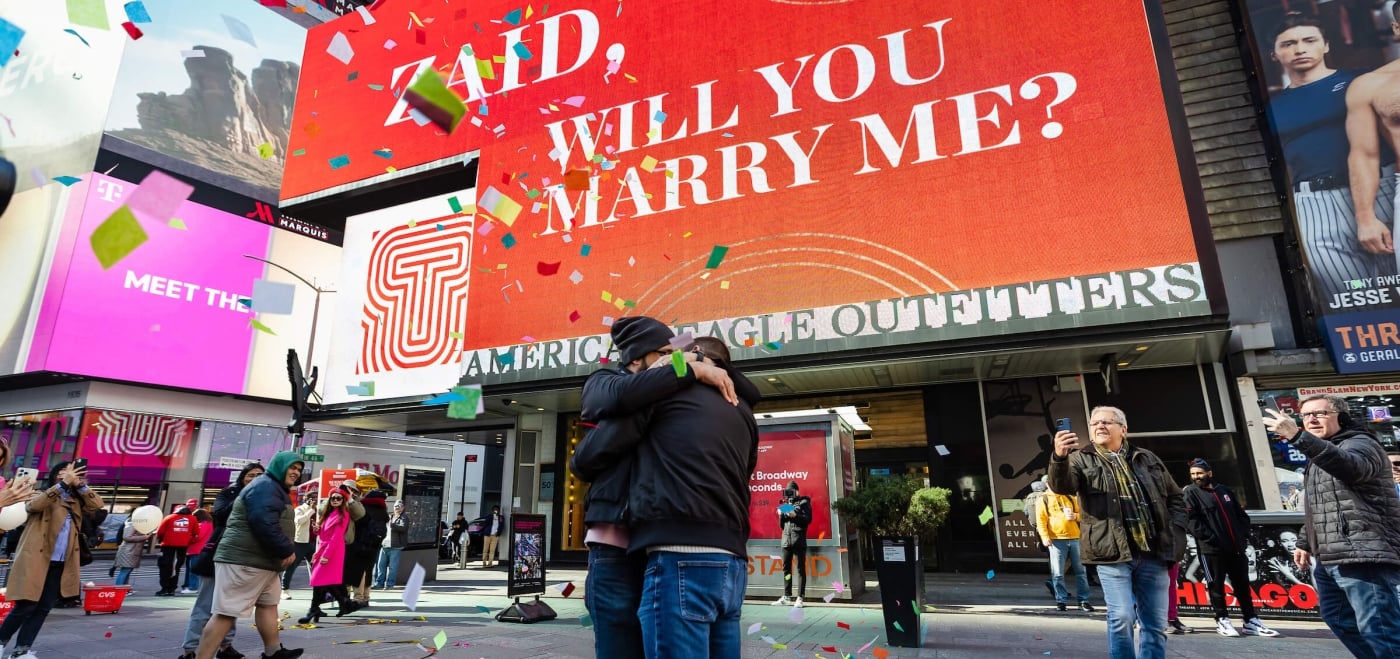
(1220, 526)
(794, 516)
(614, 405)
(689, 508)
(1351, 525)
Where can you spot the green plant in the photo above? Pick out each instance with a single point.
(896, 507)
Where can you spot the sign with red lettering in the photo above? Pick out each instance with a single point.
(932, 165)
(785, 456)
(331, 478)
(1276, 585)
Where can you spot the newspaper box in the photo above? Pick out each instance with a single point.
(103, 599)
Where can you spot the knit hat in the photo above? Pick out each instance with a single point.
(1198, 462)
(635, 336)
(1037, 486)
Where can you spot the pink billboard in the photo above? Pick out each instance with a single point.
(167, 314)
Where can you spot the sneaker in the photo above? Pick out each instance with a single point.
(1178, 628)
(187, 655)
(1255, 627)
(286, 594)
(228, 653)
(1224, 627)
(1085, 606)
(187, 591)
(782, 601)
(283, 653)
(1061, 606)
(23, 654)
(797, 603)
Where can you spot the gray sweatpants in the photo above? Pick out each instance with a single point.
(201, 614)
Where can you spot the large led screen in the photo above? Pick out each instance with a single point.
(814, 176)
(178, 310)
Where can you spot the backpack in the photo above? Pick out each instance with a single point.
(1031, 504)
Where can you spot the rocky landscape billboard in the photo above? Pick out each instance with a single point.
(212, 88)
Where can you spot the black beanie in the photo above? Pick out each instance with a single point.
(1199, 462)
(635, 336)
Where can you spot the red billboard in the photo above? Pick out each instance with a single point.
(134, 446)
(943, 169)
(785, 456)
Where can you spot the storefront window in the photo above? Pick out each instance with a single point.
(41, 440)
(575, 492)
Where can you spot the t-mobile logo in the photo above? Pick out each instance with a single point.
(110, 190)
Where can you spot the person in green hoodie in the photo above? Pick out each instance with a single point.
(256, 547)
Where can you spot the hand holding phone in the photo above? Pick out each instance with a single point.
(27, 473)
(1062, 425)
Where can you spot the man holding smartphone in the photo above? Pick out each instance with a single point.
(1133, 526)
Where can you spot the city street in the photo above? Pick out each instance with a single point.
(149, 626)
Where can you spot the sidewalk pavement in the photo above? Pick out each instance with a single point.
(965, 619)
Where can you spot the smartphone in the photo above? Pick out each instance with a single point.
(1062, 425)
(27, 472)
(79, 464)
(1271, 403)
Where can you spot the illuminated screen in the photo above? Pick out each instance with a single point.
(813, 176)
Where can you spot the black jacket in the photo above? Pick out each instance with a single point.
(1216, 519)
(203, 563)
(615, 403)
(1351, 513)
(795, 527)
(371, 529)
(690, 480)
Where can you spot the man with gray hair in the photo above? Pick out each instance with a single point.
(1132, 525)
(1351, 525)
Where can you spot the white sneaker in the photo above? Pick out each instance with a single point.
(1224, 627)
(782, 601)
(797, 603)
(1255, 627)
(286, 594)
(186, 591)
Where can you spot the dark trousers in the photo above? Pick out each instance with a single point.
(1234, 566)
(304, 552)
(319, 595)
(28, 615)
(800, 553)
(170, 560)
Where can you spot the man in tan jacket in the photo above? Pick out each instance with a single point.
(1057, 519)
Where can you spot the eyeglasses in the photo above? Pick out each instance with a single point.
(1395, 466)
(1321, 414)
(337, 498)
(1101, 422)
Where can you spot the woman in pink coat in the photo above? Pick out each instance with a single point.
(337, 516)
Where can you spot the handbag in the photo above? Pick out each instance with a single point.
(84, 551)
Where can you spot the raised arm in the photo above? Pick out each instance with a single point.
(614, 393)
(1364, 165)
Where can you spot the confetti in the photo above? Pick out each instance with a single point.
(239, 30)
(261, 327)
(838, 586)
(89, 13)
(340, 48)
(132, 31)
(844, 626)
(177, 223)
(265, 150)
(67, 180)
(828, 597)
(69, 30)
(985, 516)
(340, 161)
(430, 95)
(566, 589)
(119, 235)
(678, 363)
(522, 51)
(716, 256)
(795, 616)
(755, 628)
(548, 269)
(991, 574)
(585, 620)
(467, 408)
(136, 12)
(441, 638)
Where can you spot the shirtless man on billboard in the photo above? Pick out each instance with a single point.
(1342, 245)
(1373, 111)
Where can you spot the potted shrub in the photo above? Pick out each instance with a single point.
(898, 514)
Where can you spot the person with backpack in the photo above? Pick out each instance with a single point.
(129, 554)
(369, 536)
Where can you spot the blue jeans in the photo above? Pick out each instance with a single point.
(1359, 605)
(613, 593)
(1062, 552)
(386, 572)
(200, 614)
(123, 576)
(1137, 589)
(691, 605)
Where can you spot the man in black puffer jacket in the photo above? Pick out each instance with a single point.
(614, 403)
(689, 509)
(1351, 525)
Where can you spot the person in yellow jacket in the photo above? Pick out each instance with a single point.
(1058, 523)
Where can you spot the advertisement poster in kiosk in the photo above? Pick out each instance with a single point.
(784, 456)
(1326, 68)
(526, 555)
(330, 478)
(840, 142)
(1279, 589)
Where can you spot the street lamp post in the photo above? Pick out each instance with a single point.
(315, 310)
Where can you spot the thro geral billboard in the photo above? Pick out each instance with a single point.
(1330, 73)
(814, 176)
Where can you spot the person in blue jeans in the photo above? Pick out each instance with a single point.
(1057, 520)
(1132, 521)
(129, 554)
(613, 409)
(1351, 524)
(386, 571)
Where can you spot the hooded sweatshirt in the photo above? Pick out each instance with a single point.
(262, 524)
